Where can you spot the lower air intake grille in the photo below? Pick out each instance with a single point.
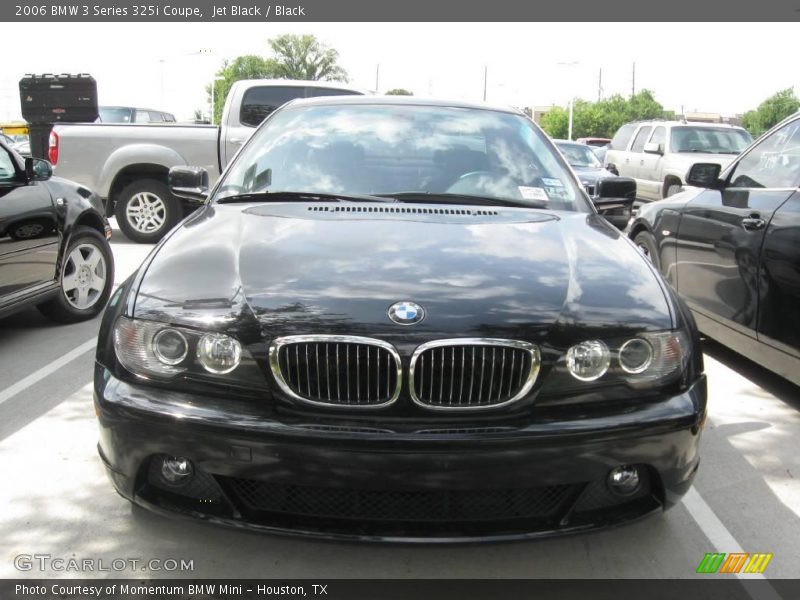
(408, 506)
(472, 373)
(343, 371)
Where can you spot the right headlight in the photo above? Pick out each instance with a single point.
(163, 351)
(639, 361)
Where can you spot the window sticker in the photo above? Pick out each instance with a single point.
(557, 192)
(550, 182)
(532, 193)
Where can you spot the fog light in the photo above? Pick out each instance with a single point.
(624, 480)
(588, 360)
(219, 353)
(176, 470)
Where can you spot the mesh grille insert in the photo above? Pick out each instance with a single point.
(409, 506)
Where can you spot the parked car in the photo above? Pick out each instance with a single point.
(732, 248)
(593, 141)
(399, 319)
(23, 148)
(585, 164)
(127, 165)
(53, 242)
(600, 152)
(129, 114)
(657, 154)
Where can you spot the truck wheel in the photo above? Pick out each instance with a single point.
(86, 278)
(146, 211)
(671, 188)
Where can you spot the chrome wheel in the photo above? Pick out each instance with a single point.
(146, 212)
(84, 278)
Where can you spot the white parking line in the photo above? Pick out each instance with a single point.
(47, 370)
(723, 540)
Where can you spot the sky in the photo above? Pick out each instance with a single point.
(724, 68)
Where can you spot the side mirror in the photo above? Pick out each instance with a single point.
(38, 169)
(704, 175)
(612, 168)
(652, 148)
(614, 198)
(189, 183)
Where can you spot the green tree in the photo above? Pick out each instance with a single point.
(771, 112)
(242, 67)
(555, 122)
(305, 57)
(399, 92)
(294, 57)
(602, 118)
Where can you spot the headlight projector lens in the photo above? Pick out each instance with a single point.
(588, 360)
(170, 346)
(219, 353)
(635, 356)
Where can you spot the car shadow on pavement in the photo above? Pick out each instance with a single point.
(765, 379)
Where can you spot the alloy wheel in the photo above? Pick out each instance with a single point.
(146, 212)
(84, 278)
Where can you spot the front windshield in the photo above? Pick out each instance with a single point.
(713, 140)
(363, 149)
(578, 155)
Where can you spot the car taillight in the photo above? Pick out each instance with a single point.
(53, 150)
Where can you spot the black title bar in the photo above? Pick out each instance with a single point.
(261, 11)
(705, 588)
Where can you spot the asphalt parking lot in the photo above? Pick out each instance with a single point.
(56, 499)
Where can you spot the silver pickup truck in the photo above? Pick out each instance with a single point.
(127, 165)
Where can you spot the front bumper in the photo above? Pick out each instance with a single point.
(450, 483)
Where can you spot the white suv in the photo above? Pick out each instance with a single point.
(657, 154)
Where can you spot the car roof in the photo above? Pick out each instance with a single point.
(399, 101)
(676, 123)
(335, 85)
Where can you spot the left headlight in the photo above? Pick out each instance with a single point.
(164, 351)
(640, 361)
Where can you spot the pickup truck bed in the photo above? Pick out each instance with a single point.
(127, 164)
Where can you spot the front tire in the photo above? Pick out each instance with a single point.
(146, 211)
(646, 244)
(672, 188)
(85, 280)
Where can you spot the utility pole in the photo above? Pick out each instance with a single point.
(600, 85)
(485, 76)
(633, 80)
(377, 76)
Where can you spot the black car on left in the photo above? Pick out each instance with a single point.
(54, 250)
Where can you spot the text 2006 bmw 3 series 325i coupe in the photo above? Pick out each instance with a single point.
(400, 320)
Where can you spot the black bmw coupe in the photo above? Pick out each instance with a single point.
(402, 320)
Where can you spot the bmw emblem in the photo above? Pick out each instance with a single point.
(406, 313)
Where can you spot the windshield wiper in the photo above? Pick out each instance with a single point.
(445, 198)
(282, 196)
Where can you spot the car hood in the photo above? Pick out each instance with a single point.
(590, 175)
(301, 268)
